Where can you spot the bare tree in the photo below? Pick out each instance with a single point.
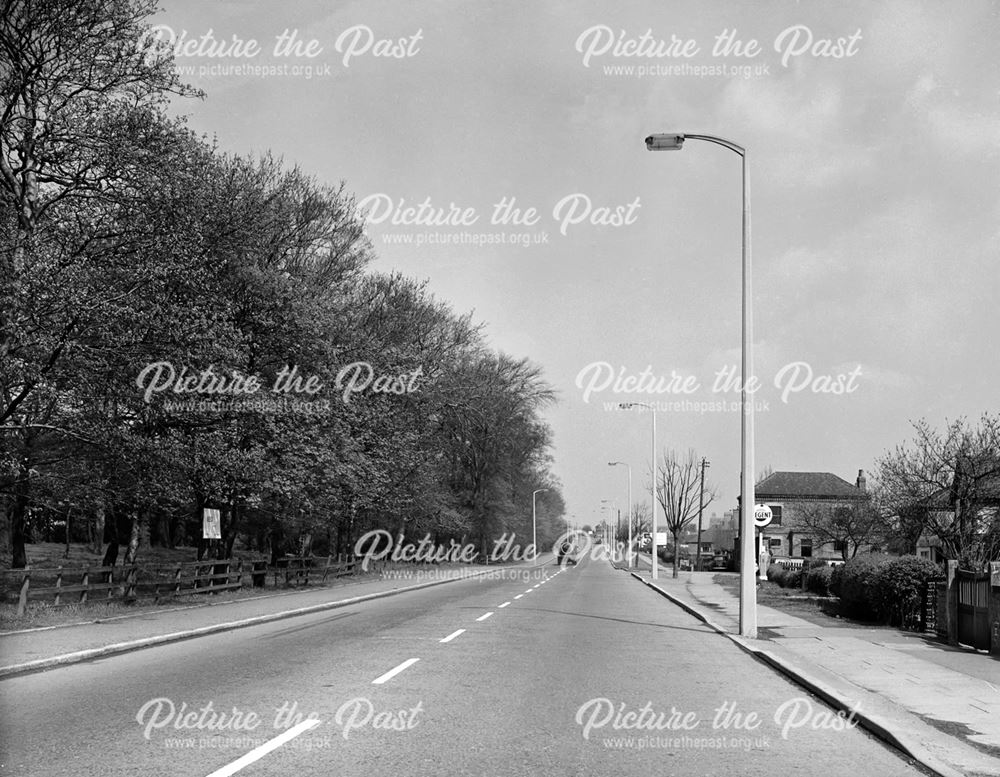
(678, 490)
(849, 526)
(946, 484)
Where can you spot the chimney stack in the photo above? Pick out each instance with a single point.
(861, 483)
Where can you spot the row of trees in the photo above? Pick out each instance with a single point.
(126, 241)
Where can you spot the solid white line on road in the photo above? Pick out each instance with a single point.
(259, 752)
(519, 596)
(393, 672)
(452, 636)
(484, 617)
(504, 605)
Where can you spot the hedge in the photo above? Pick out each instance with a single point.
(835, 579)
(818, 579)
(857, 586)
(898, 589)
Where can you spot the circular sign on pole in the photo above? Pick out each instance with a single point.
(761, 515)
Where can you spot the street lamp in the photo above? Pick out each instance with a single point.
(628, 511)
(534, 521)
(748, 591)
(652, 515)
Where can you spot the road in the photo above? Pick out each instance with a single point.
(493, 677)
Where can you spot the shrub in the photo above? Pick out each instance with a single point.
(776, 573)
(857, 585)
(898, 587)
(818, 579)
(793, 578)
(835, 579)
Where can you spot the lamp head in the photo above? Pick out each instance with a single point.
(665, 142)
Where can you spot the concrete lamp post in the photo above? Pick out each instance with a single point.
(628, 511)
(748, 589)
(652, 513)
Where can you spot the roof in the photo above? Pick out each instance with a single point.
(815, 485)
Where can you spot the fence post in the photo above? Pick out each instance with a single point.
(58, 585)
(994, 608)
(952, 599)
(22, 599)
(85, 582)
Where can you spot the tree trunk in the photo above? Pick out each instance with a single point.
(677, 553)
(135, 535)
(18, 518)
(111, 554)
(98, 538)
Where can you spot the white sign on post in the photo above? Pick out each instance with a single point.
(211, 524)
(661, 538)
(761, 515)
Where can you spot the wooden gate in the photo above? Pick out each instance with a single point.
(973, 609)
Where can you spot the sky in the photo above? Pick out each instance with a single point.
(872, 133)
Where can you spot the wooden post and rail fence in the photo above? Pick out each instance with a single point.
(61, 586)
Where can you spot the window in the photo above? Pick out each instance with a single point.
(806, 546)
(775, 545)
(775, 515)
(838, 546)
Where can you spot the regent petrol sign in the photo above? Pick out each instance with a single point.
(761, 516)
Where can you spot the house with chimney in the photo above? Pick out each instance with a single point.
(799, 501)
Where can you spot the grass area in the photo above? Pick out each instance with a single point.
(821, 610)
(50, 555)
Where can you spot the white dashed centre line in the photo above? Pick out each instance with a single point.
(504, 605)
(528, 591)
(519, 596)
(452, 636)
(393, 672)
(259, 752)
(484, 617)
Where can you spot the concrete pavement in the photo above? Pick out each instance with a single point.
(941, 703)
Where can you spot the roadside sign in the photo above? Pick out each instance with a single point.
(211, 525)
(661, 538)
(761, 515)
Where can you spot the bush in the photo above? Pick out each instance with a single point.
(857, 585)
(898, 588)
(818, 579)
(776, 573)
(815, 563)
(835, 579)
(793, 578)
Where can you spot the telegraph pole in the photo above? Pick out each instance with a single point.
(701, 507)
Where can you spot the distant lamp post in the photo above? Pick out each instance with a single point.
(628, 512)
(652, 514)
(534, 520)
(748, 590)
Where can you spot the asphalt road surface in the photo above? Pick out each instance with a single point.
(582, 671)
